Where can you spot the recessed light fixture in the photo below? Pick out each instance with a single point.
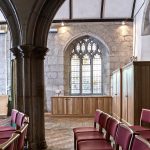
(123, 23)
(62, 24)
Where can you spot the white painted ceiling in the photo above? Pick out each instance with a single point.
(91, 9)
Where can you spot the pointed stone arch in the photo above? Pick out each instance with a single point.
(105, 61)
(11, 16)
(146, 19)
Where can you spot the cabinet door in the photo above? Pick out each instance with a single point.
(58, 106)
(89, 106)
(75, 106)
(124, 95)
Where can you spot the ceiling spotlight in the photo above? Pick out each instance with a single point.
(123, 23)
(62, 24)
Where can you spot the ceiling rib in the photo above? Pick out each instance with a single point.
(133, 8)
(95, 20)
(102, 8)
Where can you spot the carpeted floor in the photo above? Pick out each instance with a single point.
(58, 130)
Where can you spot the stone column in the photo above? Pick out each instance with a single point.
(19, 102)
(34, 94)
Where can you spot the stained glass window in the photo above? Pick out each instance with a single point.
(86, 68)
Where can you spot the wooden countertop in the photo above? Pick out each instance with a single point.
(86, 96)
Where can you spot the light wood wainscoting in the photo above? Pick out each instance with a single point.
(3, 105)
(80, 105)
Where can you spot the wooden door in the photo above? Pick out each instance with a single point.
(114, 93)
(130, 95)
(118, 95)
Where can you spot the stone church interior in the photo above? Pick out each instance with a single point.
(75, 74)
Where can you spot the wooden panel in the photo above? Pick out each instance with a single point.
(3, 105)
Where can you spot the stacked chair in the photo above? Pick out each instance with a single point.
(13, 131)
(113, 134)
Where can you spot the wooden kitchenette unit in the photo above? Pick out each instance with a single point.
(80, 105)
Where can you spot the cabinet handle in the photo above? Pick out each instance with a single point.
(115, 94)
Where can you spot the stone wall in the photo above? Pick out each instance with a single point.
(4, 63)
(118, 39)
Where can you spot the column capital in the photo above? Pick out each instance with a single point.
(26, 50)
(33, 51)
(16, 52)
(39, 52)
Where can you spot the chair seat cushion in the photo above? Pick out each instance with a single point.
(89, 136)
(137, 128)
(84, 129)
(145, 134)
(6, 134)
(94, 145)
(7, 128)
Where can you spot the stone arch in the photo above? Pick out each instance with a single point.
(146, 19)
(44, 20)
(13, 21)
(105, 61)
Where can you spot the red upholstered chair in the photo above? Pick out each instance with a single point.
(145, 134)
(82, 136)
(123, 137)
(9, 143)
(140, 144)
(88, 129)
(145, 117)
(23, 132)
(18, 122)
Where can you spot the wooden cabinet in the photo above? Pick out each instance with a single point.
(80, 105)
(116, 85)
(135, 90)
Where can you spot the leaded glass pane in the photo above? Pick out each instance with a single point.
(86, 75)
(78, 47)
(96, 74)
(75, 75)
(83, 47)
(89, 47)
(94, 47)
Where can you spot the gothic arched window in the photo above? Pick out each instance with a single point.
(86, 67)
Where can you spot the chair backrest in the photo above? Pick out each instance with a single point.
(19, 119)
(23, 133)
(123, 137)
(140, 144)
(145, 116)
(103, 121)
(97, 116)
(14, 113)
(9, 143)
(112, 125)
